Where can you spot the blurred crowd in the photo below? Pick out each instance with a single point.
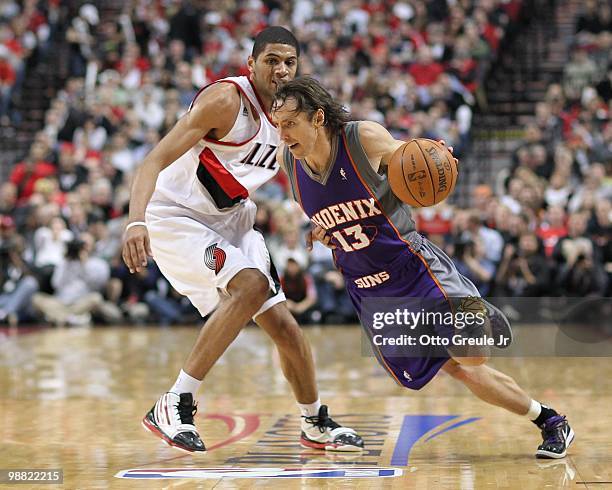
(414, 66)
(24, 27)
(545, 228)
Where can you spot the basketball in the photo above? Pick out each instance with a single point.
(422, 173)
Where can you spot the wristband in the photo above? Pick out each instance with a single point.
(135, 223)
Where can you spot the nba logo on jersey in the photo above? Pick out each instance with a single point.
(214, 258)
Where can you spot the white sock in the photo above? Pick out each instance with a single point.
(185, 384)
(534, 410)
(310, 409)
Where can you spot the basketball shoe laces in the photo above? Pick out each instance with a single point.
(322, 421)
(186, 412)
(552, 430)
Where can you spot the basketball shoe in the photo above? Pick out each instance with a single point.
(321, 432)
(557, 435)
(171, 419)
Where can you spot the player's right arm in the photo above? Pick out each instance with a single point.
(378, 144)
(213, 114)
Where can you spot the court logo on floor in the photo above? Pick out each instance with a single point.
(280, 445)
(216, 473)
(416, 427)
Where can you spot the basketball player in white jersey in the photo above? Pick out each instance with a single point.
(190, 210)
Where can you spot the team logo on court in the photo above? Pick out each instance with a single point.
(214, 258)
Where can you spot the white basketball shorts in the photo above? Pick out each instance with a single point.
(199, 254)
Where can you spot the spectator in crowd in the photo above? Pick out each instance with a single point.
(578, 73)
(129, 290)
(8, 198)
(559, 190)
(90, 136)
(50, 241)
(333, 302)
(594, 185)
(169, 307)
(581, 275)
(70, 173)
(552, 228)
(578, 260)
(600, 231)
(7, 81)
(35, 166)
(81, 39)
(595, 19)
(471, 261)
(289, 247)
(524, 269)
(107, 240)
(300, 291)
(18, 281)
(483, 202)
(476, 230)
(78, 281)
(511, 199)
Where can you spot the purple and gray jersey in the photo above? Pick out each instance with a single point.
(368, 224)
(378, 250)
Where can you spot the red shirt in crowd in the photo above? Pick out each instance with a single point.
(25, 178)
(7, 74)
(550, 236)
(14, 47)
(491, 35)
(436, 224)
(425, 74)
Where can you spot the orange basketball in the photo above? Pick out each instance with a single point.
(422, 173)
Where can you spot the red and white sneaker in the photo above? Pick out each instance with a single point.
(171, 419)
(321, 432)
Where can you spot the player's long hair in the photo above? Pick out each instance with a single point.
(310, 96)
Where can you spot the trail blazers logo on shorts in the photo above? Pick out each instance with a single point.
(214, 258)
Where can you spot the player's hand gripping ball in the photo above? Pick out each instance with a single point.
(422, 172)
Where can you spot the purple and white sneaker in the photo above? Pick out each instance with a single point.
(557, 435)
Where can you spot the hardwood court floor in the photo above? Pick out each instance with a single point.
(74, 398)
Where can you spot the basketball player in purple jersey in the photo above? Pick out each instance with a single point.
(190, 209)
(337, 173)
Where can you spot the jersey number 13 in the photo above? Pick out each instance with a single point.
(355, 239)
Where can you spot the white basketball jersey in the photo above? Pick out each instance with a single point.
(215, 175)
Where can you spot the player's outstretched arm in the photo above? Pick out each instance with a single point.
(378, 144)
(214, 111)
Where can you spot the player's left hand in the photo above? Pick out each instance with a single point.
(450, 148)
(319, 234)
